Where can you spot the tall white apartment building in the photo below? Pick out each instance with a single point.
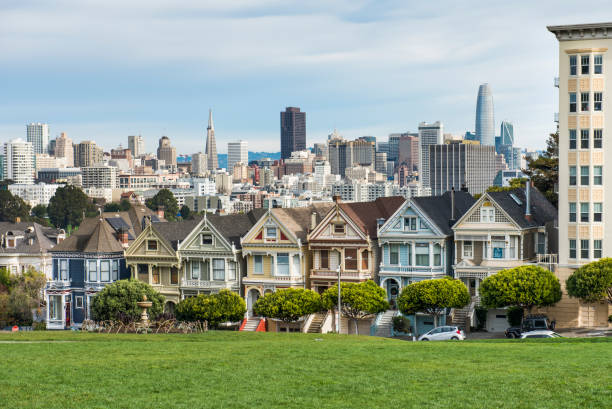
(429, 134)
(204, 187)
(237, 152)
(40, 193)
(199, 164)
(99, 177)
(585, 205)
(136, 145)
(38, 136)
(19, 161)
(64, 149)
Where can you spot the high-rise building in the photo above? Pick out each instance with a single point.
(19, 161)
(199, 164)
(585, 204)
(506, 133)
(408, 151)
(64, 149)
(166, 152)
(393, 146)
(293, 131)
(87, 153)
(237, 152)
(211, 144)
(456, 164)
(136, 145)
(429, 134)
(485, 121)
(381, 162)
(320, 150)
(38, 136)
(345, 154)
(99, 177)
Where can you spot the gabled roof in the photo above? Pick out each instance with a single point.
(43, 238)
(233, 227)
(94, 235)
(366, 214)
(299, 219)
(133, 218)
(542, 211)
(438, 208)
(175, 232)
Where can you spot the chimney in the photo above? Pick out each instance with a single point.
(528, 200)
(122, 236)
(452, 218)
(313, 220)
(464, 188)
(337, 198)
(160, 212)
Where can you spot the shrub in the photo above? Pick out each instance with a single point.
(592, 282)
(118, 301)
(214, 308)
(401, 324)
(515, 316)
(288, 305)
(39, 326)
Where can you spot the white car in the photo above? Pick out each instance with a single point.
(540, 334)
(444, 333)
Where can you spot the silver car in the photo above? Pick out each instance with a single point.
(444, 333)
(540, 334)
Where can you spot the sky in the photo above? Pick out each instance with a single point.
(103, 70)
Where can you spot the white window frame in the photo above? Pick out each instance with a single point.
(93, 263)
(391, 246)
(412, 223)
(468, 254)
(78, 302)
(216, 262)
(196, 270)
(63, 272)
(257, 270)
(105, 264)
(487, 214)
(278, 264)
(597, 63)
(231, 270)
(267, 236)
(206, 235)
(115, 270)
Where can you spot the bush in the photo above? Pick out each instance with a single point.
(118, 301)
(215, 309)
(288, 305)
(19, 295)
(39, 326)
(401, 324)
(481, 317)
(592, 282)
(515, 316)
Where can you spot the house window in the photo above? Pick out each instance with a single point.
(573, 63)
(584, 63)
(174, 275)
(437, 255)
(105, 270)
(584, 101)
(572, 139)
(541, 243)
(597, 175)
(468, 249)
(92, 269)
(218, 269)
(572, 99)
(584, 249)
(115, 270)
(78, 302)
(195, 270)
(572, 212)
(584, 212)
(597, 212)
(231, 270)
(155, 274)
(152, 245)
(63, 270)
(598, 64)
(394, 254)
(513, 241)
(597, 101)
(584, 139)
(270, 233)
(350, 259)
(338, 228)
(365, 262)
(498, 243)
(207, 239)
(572, 248)
(487, 214)
(282, 264)
(55, 307)
(584, 175)
(410, 223)
(572, 175)
(296, 265)
(597, 246)
(421, 253)
(598, 138)
(324, 259)
(257, 264)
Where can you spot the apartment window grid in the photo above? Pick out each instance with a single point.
(584, 139)
(573, 62)
(584, 101)
(597, 101)
(598, 64)
(598, 138)
(572, 212)
(584, 64)
(572, 139)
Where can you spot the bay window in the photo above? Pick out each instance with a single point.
(115, 270)
(296, 265)
(437, 254)
(282, 264)
(105, 270)
(231, 270)
(498, 244)
(350, 259)
(394, 254)
(421, 253)
(218, 269)
(513, 245)
(257, 264)
(156, 275)
(92, 270)
(195, 270)
(468, 249)
(63, 270)
(365, 260)
(324, 259)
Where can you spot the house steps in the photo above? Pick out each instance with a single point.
(383, 328)
(250, 325)
(316, 323)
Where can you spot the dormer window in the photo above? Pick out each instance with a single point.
(152, 245)
(270, 233)
(339, 228)
(487, 214)
(410, 223)
(207, 239)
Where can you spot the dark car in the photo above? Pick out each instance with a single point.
(532, 322)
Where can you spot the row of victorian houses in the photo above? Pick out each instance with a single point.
(392, 241)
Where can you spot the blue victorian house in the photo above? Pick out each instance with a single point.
(417, 244)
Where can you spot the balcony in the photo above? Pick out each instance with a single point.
(410, 270)
(57, 284)
(207, 284)
(344, 275)
(280, 280)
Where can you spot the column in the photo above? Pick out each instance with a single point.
(430, 254)
(412, 255)
(210, 269)
(273, 272)
(150, 270)
(507, 247)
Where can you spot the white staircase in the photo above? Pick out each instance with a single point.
(316, 323)
(460, 318)
(383, 328)
(251, 324)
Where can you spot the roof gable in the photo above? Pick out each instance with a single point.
(260, 233)
(140, 246)
(326, 230)
(197, 239)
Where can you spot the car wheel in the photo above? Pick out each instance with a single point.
(424, 339)
(454, 339)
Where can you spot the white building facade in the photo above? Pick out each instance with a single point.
(19, 161)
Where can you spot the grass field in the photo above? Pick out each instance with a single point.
(266, 370)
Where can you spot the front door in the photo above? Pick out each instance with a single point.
(392, 292)
(68, 317)
(251, 300)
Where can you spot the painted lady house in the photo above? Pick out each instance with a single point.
(417, 244)
(501, 230)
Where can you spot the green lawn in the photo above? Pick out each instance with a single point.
(265, 370)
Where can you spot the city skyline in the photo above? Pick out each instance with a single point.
(153, 88)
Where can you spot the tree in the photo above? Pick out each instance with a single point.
(215, 309)
(544, 170)
(124, 205)
(118, 301)
(19, 295)
(525, 286)
(166, 200)
(433, 297)
(68, 205)
(359, 300)
(112, 207)
(39, 211)
(186, 213)
(592, 282)
(515, 183)
(288, 305)
(12, 207)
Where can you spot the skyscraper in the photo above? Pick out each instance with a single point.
(19, 161)
(485, 121)
(166, 152)
(237, 152)
(38, 136)
(136, 145)
(211, 144)
(429, 134)
(293, 131)
(64, 149)
(87, 153)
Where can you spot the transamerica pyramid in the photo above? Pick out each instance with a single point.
(211, 145)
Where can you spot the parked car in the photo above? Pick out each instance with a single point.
(444, 333)
(534, 322)
(540, 334)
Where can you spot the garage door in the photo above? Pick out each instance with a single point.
(496, 321)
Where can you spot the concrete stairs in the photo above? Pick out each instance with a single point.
(316, 323)
(251, 324)
(460, 319)
(383, 328)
